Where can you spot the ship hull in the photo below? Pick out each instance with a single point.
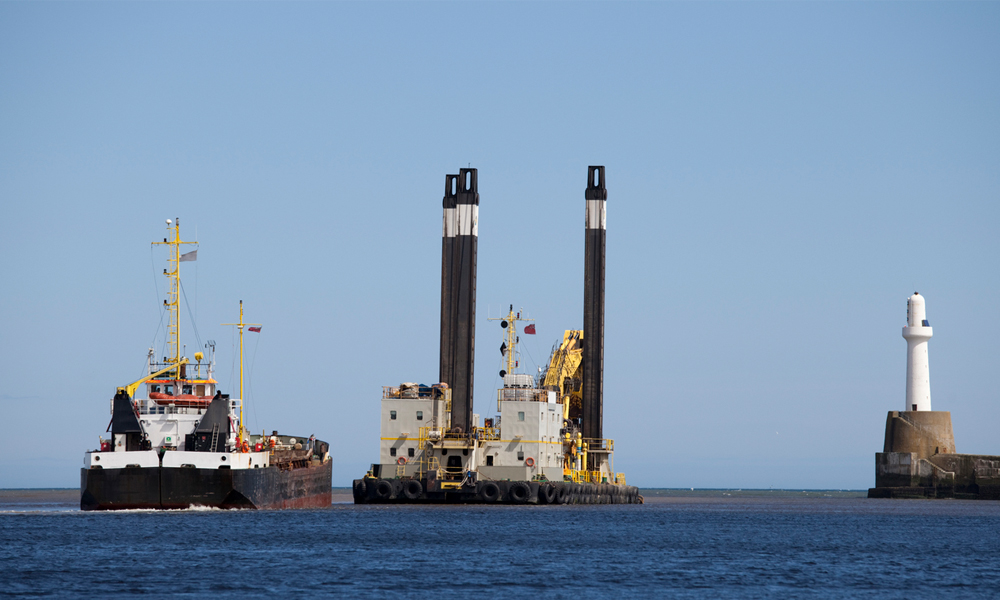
(184, 487)
(406, 491)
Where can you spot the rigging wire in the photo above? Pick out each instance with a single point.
(253, 361)
(156, 287)
(532, 358)
(152, 263)
(193, 323)
(153, 343)
(232, 352)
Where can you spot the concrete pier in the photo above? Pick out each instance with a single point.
(919, 461)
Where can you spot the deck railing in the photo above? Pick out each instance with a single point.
(415, 392)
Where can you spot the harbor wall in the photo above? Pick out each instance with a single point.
(961, 476)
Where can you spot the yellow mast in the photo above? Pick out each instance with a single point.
(510, 324)
(240, 326)
(172, 303)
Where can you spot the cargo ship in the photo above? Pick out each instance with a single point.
(545, 443)
(185, 443)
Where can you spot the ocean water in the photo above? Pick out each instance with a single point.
(681, 545)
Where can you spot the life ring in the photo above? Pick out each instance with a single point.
(401, 460)
(529, 461)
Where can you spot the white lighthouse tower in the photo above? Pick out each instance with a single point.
(916, 332)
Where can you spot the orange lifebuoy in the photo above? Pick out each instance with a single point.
(401, 461)
(529, 461)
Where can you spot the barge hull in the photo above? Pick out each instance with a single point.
(184, 487)
(423, 491)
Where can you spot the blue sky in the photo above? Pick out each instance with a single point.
(781, 177)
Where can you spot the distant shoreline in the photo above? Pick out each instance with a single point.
(7, 494)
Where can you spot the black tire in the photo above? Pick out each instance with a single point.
(383, 489)
(413, 489)
(490, 492)
(519, 492)
(360, 491)
(546, 493)
(562, 494)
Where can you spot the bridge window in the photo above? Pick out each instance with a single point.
(489, 460)
(154, 388)
(187, 389)
(392, 452)
(520, 416)
(420, 415)
(392, 415)
(409, 452)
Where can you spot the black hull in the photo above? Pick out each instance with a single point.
(172, 488)
(422, 491)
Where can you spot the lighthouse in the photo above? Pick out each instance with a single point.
(916, 333)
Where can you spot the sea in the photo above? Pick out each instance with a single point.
(679, 544)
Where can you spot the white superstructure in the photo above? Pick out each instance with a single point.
(917, 332)
(531, 438)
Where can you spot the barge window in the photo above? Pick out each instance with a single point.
(420, 415)
(154, 389)
(168, 389)
(187, 389)
(520, 416)
(409, 452)
(489, 460)
(392, 415)
(392, 452)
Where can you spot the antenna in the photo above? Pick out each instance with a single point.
(509, 347)
(240, 326)
(172, 303)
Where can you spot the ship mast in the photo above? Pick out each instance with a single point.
(508, 348)
(172, 303)
(240, 326)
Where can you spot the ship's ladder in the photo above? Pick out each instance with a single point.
(215, 437)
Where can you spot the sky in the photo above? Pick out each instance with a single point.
(781, 177)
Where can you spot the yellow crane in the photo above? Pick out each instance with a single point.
(132, 387)
(564, 373)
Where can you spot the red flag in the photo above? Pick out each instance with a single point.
(530, 329)
(254, 329)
